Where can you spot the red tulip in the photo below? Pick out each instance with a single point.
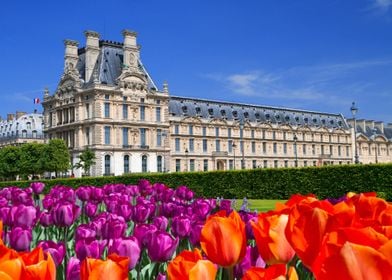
(273, 272)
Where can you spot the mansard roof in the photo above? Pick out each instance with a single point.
(26, 126)
(208, 109)
(369, 129)
(109, 64)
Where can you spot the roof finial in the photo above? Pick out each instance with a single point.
(46, 92)
(165, 87)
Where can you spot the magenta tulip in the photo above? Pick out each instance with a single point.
(37, 187)
(90, 209)
(73, 269)
(126, 247)
(181, 226)
(65, 214)
(85, 232)
(56, 250)
(143, 233)
(20, 239)
(46, 219)
(161, 246)
(160, 222)
(23, 216)
(91, 248)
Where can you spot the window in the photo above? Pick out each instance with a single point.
(265, 163)
(339, 150)
(142, 112)
(158, 114)
(107, 135)
(275, 148)
(106, 96)
(190, 129)
(285, 148)
(125, 111)
(191, 145)
(159, 137)
(322, 149)
(275, 163)
(331, 150)
(273, 135)
(284, 135)
(159, 163)
(263, 134)
(144, 163)
(204, 131)
(304, 149)
(347, 151)
(329, 138)
(229, 132)
(192, 165)
(87, 111)
(204, 145)
(264, 147)
(305, 163)
(205, 165)
(216, 131)
(313, 149)
(126, 164)
(177, 143)
(286, 163)
(87, 133)
(125, 136)
(107, 110)
(253, 147)
(254, 164)
(178, 165)
(217, 145)
(230, 146)
(107, 165)
(176, 129)
(252, 133)
(28, 125)
(142, 136)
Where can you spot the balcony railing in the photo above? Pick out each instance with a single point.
(21, 136)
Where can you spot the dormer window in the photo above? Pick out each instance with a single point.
(184, 109)
(246, 115)
(257, 115)
(223, 113)
(306, 120)
(287, 118)
(198, 110)
(267, 116)
(235, 114)
(211, 111)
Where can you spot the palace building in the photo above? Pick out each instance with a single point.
(107, 101)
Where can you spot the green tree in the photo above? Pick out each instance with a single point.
(10, 162)
(86, 160)
(55, 157)
(30, 159)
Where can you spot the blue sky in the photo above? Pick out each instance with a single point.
(308, 54)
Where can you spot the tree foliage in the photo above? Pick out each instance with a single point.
(10, 162)
(55, 157)
(86, 160)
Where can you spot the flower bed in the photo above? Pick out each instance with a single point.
(150, 231)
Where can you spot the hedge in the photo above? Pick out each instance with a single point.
(277, 183)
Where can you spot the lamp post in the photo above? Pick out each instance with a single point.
(295, 138)
(375, 143)
(233, 145)
(354, 111)
(242, 143)
(186, 160)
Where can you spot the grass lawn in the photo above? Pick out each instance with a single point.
(261, 205)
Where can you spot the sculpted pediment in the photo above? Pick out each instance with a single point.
(133, 81)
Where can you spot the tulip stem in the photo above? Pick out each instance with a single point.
(230, 272)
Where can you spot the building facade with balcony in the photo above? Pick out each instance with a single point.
(21, 128)
(107, 101)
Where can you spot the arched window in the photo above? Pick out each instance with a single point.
(107, 165)
(159, 163)
(34, 134)
(144, 163)
(126, 164)
(24, 133)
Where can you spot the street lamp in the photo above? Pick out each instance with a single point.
(186, 159)
(242, 143)
(375, 143)
(295, 138)
(233, 145)
(354, 111)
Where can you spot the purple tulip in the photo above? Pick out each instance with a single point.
(161, 276)
(141, 213)
(114, 227)
(125, 210)
(160, 222)
(132, 190)
(91, 248)
(90, 209)
(181, 226)
(65, 214)
(73, 269)
(168, 195)
(83, 193)
(5, 215)
(225, 204)
(3, 202)
(46, 219)
(181, 192)
(201, 208)
(97, 194)
(126, 247)
(145, 187)
(23, 216)
(48, 202)
(167, 209)
(20, 239)
(143, 233)
(56, 250)
(189, 195)
(21, 197)
(84, 232)
(37, 187)
(161, 246)
(194, 235)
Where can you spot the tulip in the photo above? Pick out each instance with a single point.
(73, 269)
(125, 210)
(114, 267)
(39, 265)
(83, 193)
(181, 226)
(273, 272)
(161, 276)
(190, 265)
(195, 232)
(252, 258)
(84, 232)
(97, 194)
(90, 209)
(23, 216)
(37, 187)
(161, 246)
(114, 227)
(201, 208)
(223, 239)
(56, 250)
(5, 215)
(64, 215)
(141, 213)
(160, 222)
(91, 248)
(46, 219)
(126, 247)
(20, 239)
(145, 187)
(12, 269)
(143, 233)
(269, 232)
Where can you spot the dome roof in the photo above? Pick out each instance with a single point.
(26, 126)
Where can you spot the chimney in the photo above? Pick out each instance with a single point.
(10, 117)
(71, 54)
(389, 125)
(92, 52)
(131, 50)
(380, 126)
(19, 114)
(370, 124)
(361, 123)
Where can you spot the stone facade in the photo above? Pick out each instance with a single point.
(107, 101)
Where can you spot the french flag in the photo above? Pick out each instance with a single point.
(36, 100)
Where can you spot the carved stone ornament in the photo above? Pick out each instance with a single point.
(132, 81)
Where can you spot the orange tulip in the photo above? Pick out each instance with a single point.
(190, 265)
(115, 268)
(12, 269)
(271, 242)
(306, 228)
(223, 239)
(354, 254)
(39, 265)
(273, 272)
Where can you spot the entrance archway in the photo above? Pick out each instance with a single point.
(220, 165)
